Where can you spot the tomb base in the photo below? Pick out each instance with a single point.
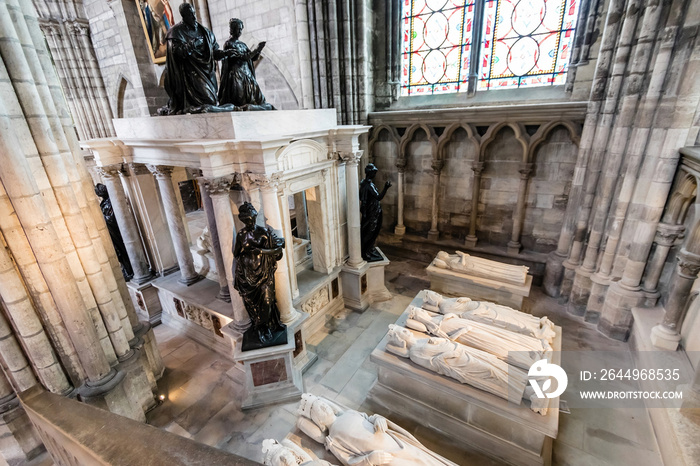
(471, 418)
(271, 375)
(451, 283)
(365, 285)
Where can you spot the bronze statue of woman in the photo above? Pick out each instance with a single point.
(257, 251)
(238, 84)
(371, 212)
(114, 233)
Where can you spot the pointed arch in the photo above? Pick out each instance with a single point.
(493, 130)
(122, 85)
(408, 137)
(543, 132)
(446, 137)
(376, 131)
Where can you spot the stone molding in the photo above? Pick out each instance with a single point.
(437, 166)
(401, 163)
(265, 182)
(139, 169)
(667, 234)
(525, 170)
(478, 168)
(688, 264)
(109, 172)
(352, 158)
(218, 186)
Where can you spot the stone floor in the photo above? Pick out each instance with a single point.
(203, 402)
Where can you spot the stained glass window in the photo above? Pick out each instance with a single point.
(436, 45)
(522, 43)
(526, 42)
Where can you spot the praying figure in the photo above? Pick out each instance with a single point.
(238, 84)
(371, 214)
(257, 251)
(114, 233)
(288, 453)
(361, 440)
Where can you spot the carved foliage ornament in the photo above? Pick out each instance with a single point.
(688, 265)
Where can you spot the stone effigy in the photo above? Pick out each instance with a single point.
(288, 453)
(465, 263)
(257, 251)
(358, 439)
(462, 363)
(514, 348)
(238, 84)
(490, 313)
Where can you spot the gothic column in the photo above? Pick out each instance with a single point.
(400, 229)
(177, 227)
(477, 168)
(519, 214)
(666, 335)
(437, 165)
(127, 224)
(666, 236)
(352, 160)
(271, 206)
(19, 442)
(17, 368)
(219, 191)
(224, 294)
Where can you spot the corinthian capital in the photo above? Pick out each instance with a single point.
(161, 171)
(109, 172)
(688, 264)
(263, 181)
(352, 158)
(221, 185)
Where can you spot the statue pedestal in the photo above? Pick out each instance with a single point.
(145, 296)
(273, 374)
(365, 285)
(449, 282)
(470, 418)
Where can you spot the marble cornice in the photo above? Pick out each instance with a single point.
(483, 114)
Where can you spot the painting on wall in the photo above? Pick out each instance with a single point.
(157, 17)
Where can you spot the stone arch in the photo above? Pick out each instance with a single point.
(543, 132)
(408, 137)
(681, 199)
(376, 132)
(417, 152)
(446, 137)
(490, 135)
(122, 85)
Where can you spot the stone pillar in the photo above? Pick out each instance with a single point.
(477, 168)
(666, 236)
(352, 159)
(224, 294)
(20, 310)
(19, 442)
(175, 223)
(127, 224)
(437, 165)
(218, 190)
(271, 206)
(519, 214)
(400, 229)
(666, 335)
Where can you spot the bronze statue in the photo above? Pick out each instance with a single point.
(371, 212)
(238, 84)
(257, 251)
(114, 233)
(190, 79)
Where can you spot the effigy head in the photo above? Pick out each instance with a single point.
(277, 454)
(418, 313)
(400, 336)
(318, 410)
(433, 298)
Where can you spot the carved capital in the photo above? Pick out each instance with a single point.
(109, 172)
(139, 169)
(218, 186)
(667, 234)
(437, 166)
(525, 170)
(264, 181)
(161, 171)
(401, 164)
(352, 158)
(478, 167)
(688, 264)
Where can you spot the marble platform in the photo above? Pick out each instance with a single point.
(451, 283)
(471, 418)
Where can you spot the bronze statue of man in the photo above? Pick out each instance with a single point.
(190, 79)
(114, 233)
(371, 213)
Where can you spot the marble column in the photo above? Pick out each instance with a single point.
(477, 168)
(519, 214)
(302, 216)
(273, 215)
(177, 227)
(219, 191)
(437, 165)
(127, 224)
(666, 335)
(352, 186)
(224, 294)
(400, 229)
(666, 236)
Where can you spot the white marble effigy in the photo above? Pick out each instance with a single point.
(473, 419)
(481, 279)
